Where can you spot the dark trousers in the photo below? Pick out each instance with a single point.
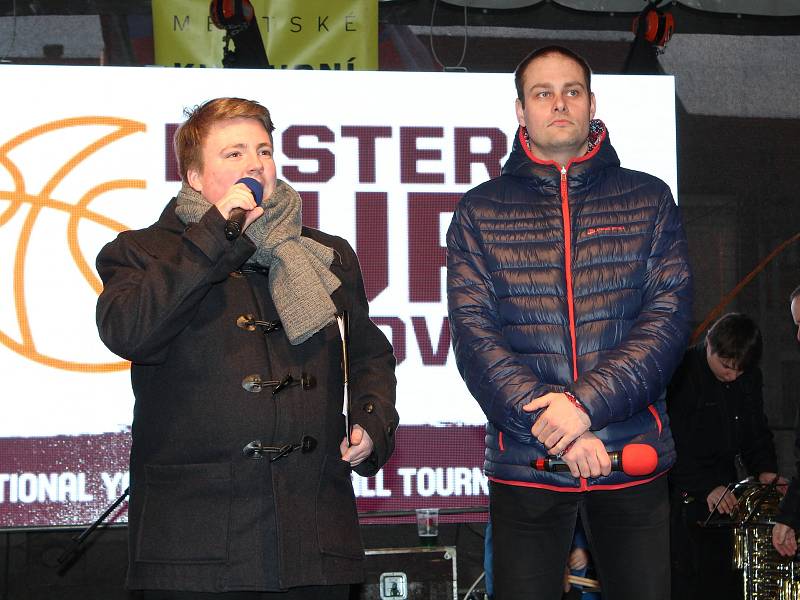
(312, 592)
(628, 532)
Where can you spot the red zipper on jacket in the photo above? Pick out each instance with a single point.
(567, 231)
(568, 268)
(565, 215)
(568, 273)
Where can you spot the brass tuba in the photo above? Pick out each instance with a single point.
(766, 575)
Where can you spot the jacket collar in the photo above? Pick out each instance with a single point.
(524, 163)
(169, 220)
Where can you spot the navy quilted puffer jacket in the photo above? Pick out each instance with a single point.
(569, 279)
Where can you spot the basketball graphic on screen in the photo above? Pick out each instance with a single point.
(45, 304)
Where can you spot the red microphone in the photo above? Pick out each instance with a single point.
(634, 459)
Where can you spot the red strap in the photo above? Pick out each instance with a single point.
(571, 397)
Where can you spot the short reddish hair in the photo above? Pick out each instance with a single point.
(190, 136)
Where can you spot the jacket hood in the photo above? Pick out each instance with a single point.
(522, 162)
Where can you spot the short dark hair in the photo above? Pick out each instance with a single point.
(736, 336)
(191, 135)
(794, 294)
(519, 72)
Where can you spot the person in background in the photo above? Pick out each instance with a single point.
(241, 459)
(784, 533)
(717, 417)
(580, 564)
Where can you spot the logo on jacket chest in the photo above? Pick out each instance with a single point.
(606, 229)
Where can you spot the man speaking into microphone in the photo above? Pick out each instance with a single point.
(242, 445)
(569, 303)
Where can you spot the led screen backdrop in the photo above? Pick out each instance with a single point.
(379, 158)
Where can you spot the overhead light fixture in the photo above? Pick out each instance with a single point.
(499, 4)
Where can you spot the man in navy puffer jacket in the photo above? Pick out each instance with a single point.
(569, 299)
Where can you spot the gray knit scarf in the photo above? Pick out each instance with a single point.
(300, 280)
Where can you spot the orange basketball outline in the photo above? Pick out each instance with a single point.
(77, 212)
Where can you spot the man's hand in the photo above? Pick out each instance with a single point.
(767, 478)
(784, 539)
(726, 505)
(239, 196)
(587, 457)
(560, 423)
(360, 446)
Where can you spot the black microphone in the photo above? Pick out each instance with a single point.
(634, 459)
(235, 223)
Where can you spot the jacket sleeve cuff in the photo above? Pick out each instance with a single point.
(591, 403)
(381, 425)
(789, 512)
(571, 397)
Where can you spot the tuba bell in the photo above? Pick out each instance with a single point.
(766, 575)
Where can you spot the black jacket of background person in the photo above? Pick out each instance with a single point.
(790, 505)
(711, 423)
(203, 515)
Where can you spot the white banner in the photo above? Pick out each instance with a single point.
(383, 156)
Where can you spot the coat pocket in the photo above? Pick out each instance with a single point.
(186, 514)
(337, 519)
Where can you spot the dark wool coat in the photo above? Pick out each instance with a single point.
(573, 279)
(208, 511)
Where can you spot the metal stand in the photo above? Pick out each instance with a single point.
(72, 553)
